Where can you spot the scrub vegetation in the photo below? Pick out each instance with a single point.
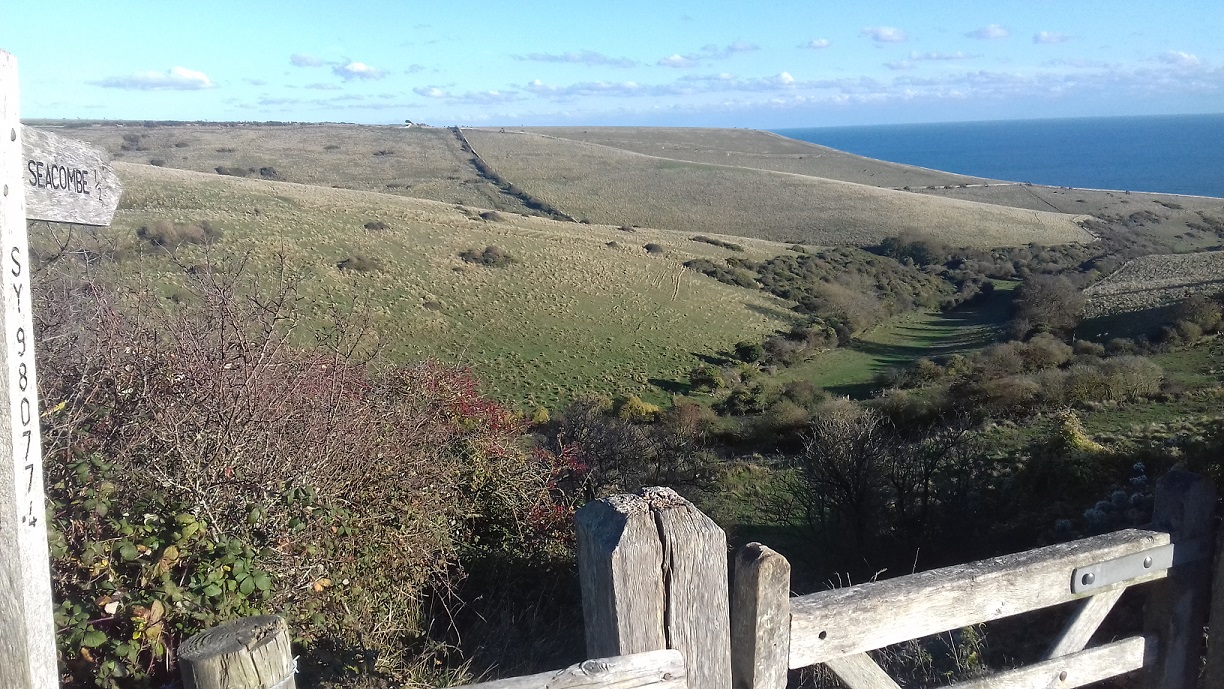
(364, 384)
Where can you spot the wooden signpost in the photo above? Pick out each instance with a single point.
(42, 177)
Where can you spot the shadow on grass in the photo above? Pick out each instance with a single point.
(671, 387)
(721, 359)
(1131, 324)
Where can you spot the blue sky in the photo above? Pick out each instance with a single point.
(769, 65)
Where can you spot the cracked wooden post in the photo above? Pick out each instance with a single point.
(653, 571)
(1176, 611)
(248, 653)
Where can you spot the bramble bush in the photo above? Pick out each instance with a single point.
(202, 467)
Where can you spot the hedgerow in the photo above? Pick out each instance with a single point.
(202, 467)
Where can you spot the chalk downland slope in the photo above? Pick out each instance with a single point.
(1185, 223)
(1152, 281)
(618, 187)
(758, 149)
(580, 308)
(426, 163)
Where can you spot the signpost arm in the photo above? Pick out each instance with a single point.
(24, 558)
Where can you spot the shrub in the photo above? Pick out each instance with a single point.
(1132, 377)
(1049, 304)
(743, 399)
(360, 264)
(493, 216)
(492, 256)
(634, 410)
(1086, 383)
(654, 249)
(707, 377)
(168, 235)
(157, 162)
(235, 171)
(718, 242)
(132, 142)
(375, 225)
(200, 469)
(749, 351)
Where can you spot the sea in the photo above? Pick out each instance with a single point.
(1174, 154)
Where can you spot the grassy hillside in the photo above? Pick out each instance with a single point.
(614, 186)
(757, 149)
(580, 308)
(1153, 281)
(1185, 223)
(424, 163)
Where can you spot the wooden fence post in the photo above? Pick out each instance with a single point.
(760, 619)
(653, 571)
(1213, 674)
(249, 653)
(1177, 609)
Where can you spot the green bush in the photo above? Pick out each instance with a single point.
(707, 378)
(749, 351)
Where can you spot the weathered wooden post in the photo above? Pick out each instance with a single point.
(248, 653)
(653, 571)
(1213, 673)
(42, 177)
(760, 619)
(1177, 609)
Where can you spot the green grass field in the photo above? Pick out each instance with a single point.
(852, 370)
(571, 314)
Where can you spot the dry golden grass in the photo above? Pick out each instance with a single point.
(1157, 280)
(613, 186)
(757, 149)
(570, 314)
(424, 163)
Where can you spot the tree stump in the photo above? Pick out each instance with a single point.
(250, 653)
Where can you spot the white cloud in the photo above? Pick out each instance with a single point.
(324, 87)
(1051, 37)
(174, 79)
(958, 55)
(785, 78)
(1179, 58)
(357, 70)
(816, 44)
(707, 52)
(989, 32)
(884, 34)
(469, 97)
(304, 60)
(678, 61)
(582, 57)
(899, 65)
